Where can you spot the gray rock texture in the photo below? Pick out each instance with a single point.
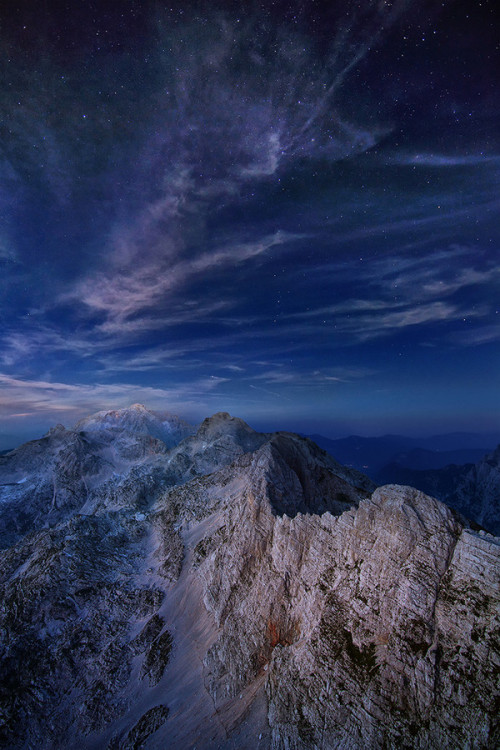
(237, 590)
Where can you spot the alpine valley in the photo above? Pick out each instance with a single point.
(170, 586)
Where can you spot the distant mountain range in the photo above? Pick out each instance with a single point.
(372, 454)
(368, 454)
(449, 467)
(472, 489)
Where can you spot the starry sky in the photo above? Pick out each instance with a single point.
(284, 210)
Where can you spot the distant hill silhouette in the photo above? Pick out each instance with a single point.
(372, 454)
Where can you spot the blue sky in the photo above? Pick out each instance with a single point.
(287, 211)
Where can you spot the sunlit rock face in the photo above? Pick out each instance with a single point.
(237, 590)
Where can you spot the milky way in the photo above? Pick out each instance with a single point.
(286, 211)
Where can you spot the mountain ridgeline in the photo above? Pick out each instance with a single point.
(466, 478)
(166, 586)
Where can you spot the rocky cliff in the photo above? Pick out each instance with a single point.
(237, 590)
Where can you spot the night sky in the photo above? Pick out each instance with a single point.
(288, 211)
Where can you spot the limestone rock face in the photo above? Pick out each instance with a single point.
(242, 590)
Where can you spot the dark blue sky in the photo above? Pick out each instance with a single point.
(288, 211)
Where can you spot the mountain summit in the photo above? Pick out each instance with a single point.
(225, 588)
(138, 420)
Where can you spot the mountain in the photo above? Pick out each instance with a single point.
(138, 420)
(46, 480)
(422, 459)
(461, 440)
(365, 453)
(236, 590)
(473, 489)
(439, 483)
(466, 478)
(477, 492)
(372, 454)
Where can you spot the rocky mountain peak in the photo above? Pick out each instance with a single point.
(59, 429)
(223, 423)
(222, 426)
(137, 420)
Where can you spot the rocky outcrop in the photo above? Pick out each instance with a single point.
(359, 627)
(242, 590)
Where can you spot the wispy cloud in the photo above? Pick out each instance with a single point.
(434, 312)
(300, 376)
(219, 134)
(39, 399)
(37, 340)
(407, 292)
(444, 160)
(427, 274)
(462, 278)
(362, 323)
(438, 213)
(268, 392)
(128, 295)
(477, 336)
